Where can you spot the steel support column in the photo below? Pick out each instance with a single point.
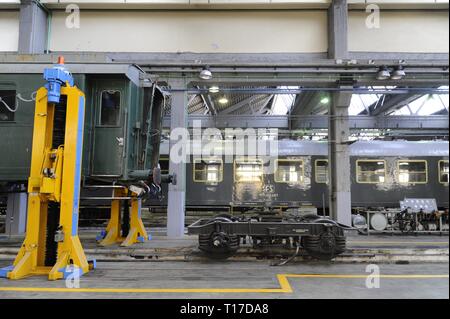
(339, 158)
(32, 28)
(337, 30)
(177, 168)
(16, 214)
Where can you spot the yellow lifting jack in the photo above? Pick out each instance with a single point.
(52, 246)
(126, 229)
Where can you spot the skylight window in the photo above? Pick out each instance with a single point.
(283, 102)
(426, 105)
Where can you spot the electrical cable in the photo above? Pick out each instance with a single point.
(18, 96)
(8, 107)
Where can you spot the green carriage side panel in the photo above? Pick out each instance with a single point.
(16, 132)
(110, 99)
(134, 132)
(113, 129)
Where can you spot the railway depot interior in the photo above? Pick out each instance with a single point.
(224, 149)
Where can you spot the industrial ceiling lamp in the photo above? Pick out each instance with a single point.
(398, 73)
(223, 100)
(214, 89)
(383, 73)
(205, 73)
(325, 100)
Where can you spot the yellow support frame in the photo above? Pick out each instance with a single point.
(62, 164)
(137, 232)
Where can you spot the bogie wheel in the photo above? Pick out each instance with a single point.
(325, 246)
(219, 245)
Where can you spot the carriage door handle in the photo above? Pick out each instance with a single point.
(119, 141)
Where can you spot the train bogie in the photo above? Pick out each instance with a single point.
(221, 236)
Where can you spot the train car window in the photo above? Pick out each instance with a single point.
(248, 171)
(321, 169)
(208, 170)
(110, 108)
(370, 171)
(164, 164)
(289, 171)
(7, 105)
(412, 171)
(443, 172)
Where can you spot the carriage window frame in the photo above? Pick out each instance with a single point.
(412, 161)
(440, 172)
(327, 174)
(165, 158)
(11, 115)
(248, 161)
(206, 181)
(302, 171)
(119, 118)
(358, 171)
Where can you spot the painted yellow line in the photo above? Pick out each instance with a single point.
(142, 290)
(285, 286)
(365, 276)
(398, 242)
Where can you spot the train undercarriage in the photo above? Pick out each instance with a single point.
(221, 236)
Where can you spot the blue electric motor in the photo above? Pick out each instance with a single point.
(56, 77)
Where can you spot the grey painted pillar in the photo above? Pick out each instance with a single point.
(337, 30)
(177, 190)
(16, 214)
(339, 158)
(32, 28)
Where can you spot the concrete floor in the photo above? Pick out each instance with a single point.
(174, 276)
(227, 279)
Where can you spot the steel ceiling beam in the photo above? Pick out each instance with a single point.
(239, 105)
(268, 60)
(441, 112)
(337, 30)
(437, 122)
(319, 88)
(307, 102)
(209, 104)
(392, 103)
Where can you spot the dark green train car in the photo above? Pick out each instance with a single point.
(120, 117)
(409, 170)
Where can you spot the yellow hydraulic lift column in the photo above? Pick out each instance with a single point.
(129, 228)
(52, 246)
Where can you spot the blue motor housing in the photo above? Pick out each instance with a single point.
(56, 77)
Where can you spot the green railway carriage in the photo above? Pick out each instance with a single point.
(120, 116)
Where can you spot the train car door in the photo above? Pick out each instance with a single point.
(109, 131)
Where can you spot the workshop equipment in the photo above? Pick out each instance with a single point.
(52, 246)
(125, 225)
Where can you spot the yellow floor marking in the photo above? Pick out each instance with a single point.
(398, 242)
(285, 286)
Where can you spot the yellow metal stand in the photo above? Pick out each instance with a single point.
(55, 178)
(136, 233)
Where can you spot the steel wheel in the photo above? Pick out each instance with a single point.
(325, 246)
(219, 245)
